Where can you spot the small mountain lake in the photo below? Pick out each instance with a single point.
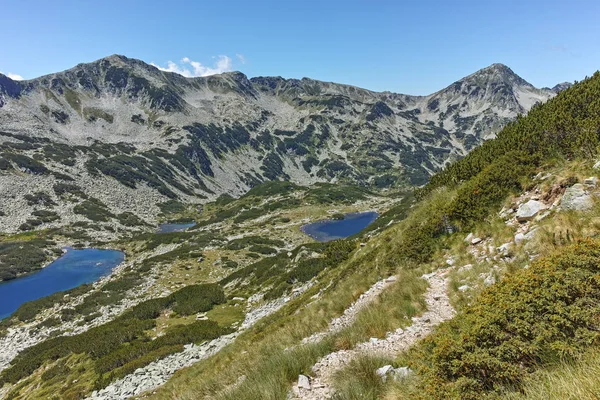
(74, 268)
(331, 229)
(175, 227)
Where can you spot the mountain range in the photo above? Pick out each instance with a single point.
(133, 137)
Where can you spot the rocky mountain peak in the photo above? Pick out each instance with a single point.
(561, 86)
(496, 74)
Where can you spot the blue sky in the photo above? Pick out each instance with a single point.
(406, 46)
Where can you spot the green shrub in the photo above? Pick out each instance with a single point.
(59, 369)
(94, 210)
(39, 198)
(534, 316)
(262, 249)
(20, 257)
(130, 219)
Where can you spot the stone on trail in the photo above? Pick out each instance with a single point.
(303, 382)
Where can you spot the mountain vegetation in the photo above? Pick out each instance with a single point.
(244, 305)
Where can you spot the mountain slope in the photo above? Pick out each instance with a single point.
(163, 136)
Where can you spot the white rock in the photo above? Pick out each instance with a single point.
(529, 210)
(504, 249)
(476, 240)
(303, 382)
(530, 235)
(469, 237)
(383, 371)
(490, 280)
(591, 181)
(596, 165)
(519, 237)
(464, 288)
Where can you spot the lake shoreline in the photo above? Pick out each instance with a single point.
(81, 266)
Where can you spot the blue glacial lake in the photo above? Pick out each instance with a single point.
(74, 268)
(175, 227)
(327, 230)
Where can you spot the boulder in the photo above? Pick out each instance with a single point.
(504, 249)
(576, 198)
(303, 382)
(476, 240)
(383, 371)
(395, 373)
(530, 235)
(529, 210)
(519, 237)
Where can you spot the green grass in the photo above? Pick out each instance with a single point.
(568, 380)
(227, 314)
(359, 380)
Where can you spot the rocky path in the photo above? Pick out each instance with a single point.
(439, 309)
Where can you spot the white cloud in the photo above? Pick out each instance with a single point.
(241, 58)
(14, 77)
(190, 68)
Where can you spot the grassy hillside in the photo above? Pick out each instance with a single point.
(527, 312)
(498, 345)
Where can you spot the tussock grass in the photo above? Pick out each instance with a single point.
(393, 309)
(578, 380)
(271, 379)
(359, 379)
